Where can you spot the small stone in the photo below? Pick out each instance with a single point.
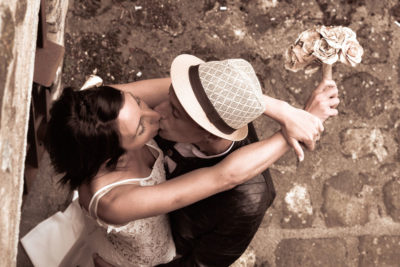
(298, 211)
(345, 201)
(298, 201)
(391, 198)
(361, 96)
(362, 142)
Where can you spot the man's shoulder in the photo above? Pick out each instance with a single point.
(250, 138)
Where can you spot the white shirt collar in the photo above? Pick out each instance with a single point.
(189, 150)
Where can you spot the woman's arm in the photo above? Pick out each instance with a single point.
(135, 202)
(153, 91)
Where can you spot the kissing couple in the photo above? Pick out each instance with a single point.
(170, 171)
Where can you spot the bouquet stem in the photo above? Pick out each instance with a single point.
(326, 71)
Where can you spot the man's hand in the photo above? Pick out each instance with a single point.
(100, 262)
(324, 100)
(301, 126)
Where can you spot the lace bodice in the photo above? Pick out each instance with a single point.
(144, 242)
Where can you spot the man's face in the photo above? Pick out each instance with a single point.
(175, 124)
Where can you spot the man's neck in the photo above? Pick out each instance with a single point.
(217, 146)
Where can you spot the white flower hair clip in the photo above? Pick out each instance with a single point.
(92, 81)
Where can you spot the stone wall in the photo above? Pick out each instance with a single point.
(45, 196)
(18, 30)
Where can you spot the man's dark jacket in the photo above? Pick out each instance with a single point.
(217, 230)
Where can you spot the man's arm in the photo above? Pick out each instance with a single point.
(153, 91)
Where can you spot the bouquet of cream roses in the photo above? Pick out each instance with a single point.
(326, 44)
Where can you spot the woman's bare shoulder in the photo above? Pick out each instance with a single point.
(107, 209)
(87, 190)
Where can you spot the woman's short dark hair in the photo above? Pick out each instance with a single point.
(82, 133)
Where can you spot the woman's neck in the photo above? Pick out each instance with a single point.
(132, 158)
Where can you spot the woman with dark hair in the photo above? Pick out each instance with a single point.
(99, 139)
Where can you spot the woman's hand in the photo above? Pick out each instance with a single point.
(324, 100)
(322, 104)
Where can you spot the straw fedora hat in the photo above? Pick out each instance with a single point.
(221, 96)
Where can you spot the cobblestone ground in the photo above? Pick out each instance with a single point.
(341, 206)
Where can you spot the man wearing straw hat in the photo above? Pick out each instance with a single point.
(206, 112)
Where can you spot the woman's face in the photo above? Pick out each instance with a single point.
(137, 123)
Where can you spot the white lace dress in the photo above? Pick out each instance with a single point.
(144, 242)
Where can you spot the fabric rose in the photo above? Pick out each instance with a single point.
(296, 59)
(336, 36)
(307, 39)
(299, 55)
(351, 52)
(325, 52)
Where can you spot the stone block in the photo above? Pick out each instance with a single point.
(364, 94)
(362, 142)
(311, 252)
(344, 201)
(391, 198)
(376, 45)
(379, 251)
(297, 210)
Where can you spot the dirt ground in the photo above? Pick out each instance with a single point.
(340, 207)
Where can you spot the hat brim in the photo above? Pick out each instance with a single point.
(183, 90)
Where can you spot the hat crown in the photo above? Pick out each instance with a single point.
(233, 89)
